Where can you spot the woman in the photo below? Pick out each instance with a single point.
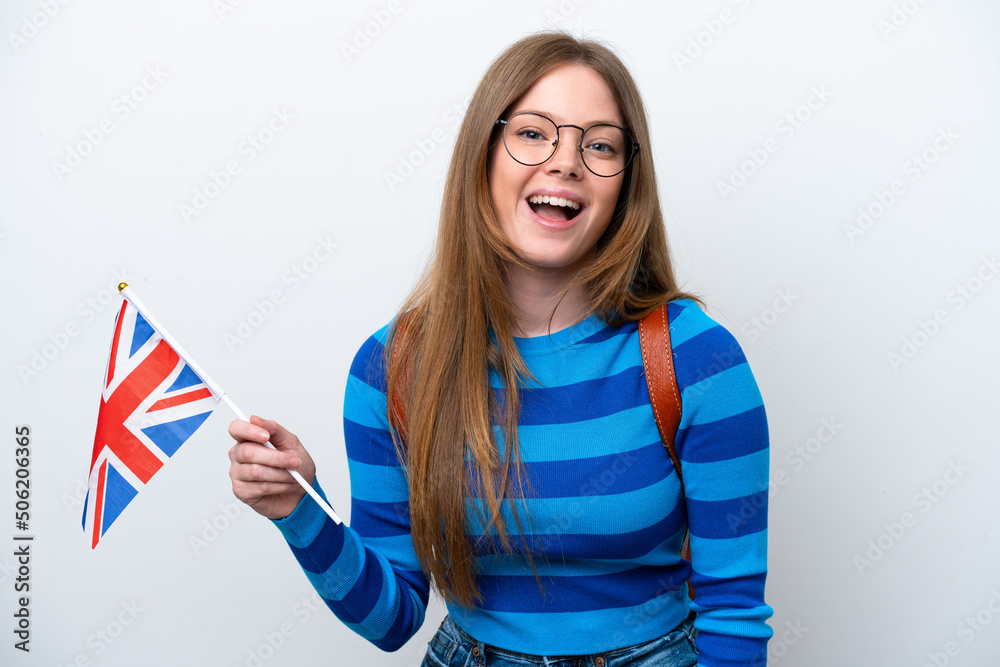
(499, 432)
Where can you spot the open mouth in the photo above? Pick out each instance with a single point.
(555, 209)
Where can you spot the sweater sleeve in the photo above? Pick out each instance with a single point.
(367, 573)
(722, 443)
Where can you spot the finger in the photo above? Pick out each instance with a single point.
(281, 437)
(241, 430)
(256, 472)
(251, 492)
(254, 453)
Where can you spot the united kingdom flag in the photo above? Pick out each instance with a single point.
(151, 404)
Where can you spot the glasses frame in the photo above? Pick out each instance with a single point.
(579, 146)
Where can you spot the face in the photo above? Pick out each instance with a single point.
(541, 235)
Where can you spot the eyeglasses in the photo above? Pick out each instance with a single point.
(531, 139)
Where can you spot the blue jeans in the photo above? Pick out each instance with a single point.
(451, 647)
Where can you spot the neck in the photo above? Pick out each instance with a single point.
(535, 293)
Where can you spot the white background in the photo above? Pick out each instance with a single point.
(850, 299)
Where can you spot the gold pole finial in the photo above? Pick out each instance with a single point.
(122, 286)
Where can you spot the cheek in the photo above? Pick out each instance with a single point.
(608, 196)
(505, 188)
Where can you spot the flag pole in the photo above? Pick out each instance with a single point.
(216, 390)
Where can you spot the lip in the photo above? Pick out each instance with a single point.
(555, 192)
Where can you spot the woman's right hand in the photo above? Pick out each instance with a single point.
(260, 474)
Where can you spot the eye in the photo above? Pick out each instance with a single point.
(530, 134)
(601, 147)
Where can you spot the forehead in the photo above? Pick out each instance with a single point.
(572, 94)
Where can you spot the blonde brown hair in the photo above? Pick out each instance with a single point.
(440, 351)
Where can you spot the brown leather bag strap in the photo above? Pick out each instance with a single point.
(658, 362)
(664, 395)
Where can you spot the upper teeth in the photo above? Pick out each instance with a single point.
(554, 201)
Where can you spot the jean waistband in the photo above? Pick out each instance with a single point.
(553, 661)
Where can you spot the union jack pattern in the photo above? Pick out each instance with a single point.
(151, 404)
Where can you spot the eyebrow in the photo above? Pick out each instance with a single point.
(585, 125)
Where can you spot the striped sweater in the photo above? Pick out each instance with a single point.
(607, 516)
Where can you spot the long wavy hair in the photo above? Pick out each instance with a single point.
(456, 325)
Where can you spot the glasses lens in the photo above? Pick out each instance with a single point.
(530, 138)
(607, 149)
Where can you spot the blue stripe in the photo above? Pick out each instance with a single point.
(723, 638)
(610, 333)
(613, 434)
(723, 395)
(371, 519)
(591, 476)
(728, 518)
(715, 441)
(577, 594)
(591, 514)
(364, 404)
(573, 403)
(687, 321)
(367, 589)
(611, 357)
(706, 355)
(737, 593)
(368, 364)
(317, 560)
(367, 445)
(378, 483)
(725, 480)
(665, 553)
(557, 543)
(736, 557)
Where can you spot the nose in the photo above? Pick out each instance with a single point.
(567, 160)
